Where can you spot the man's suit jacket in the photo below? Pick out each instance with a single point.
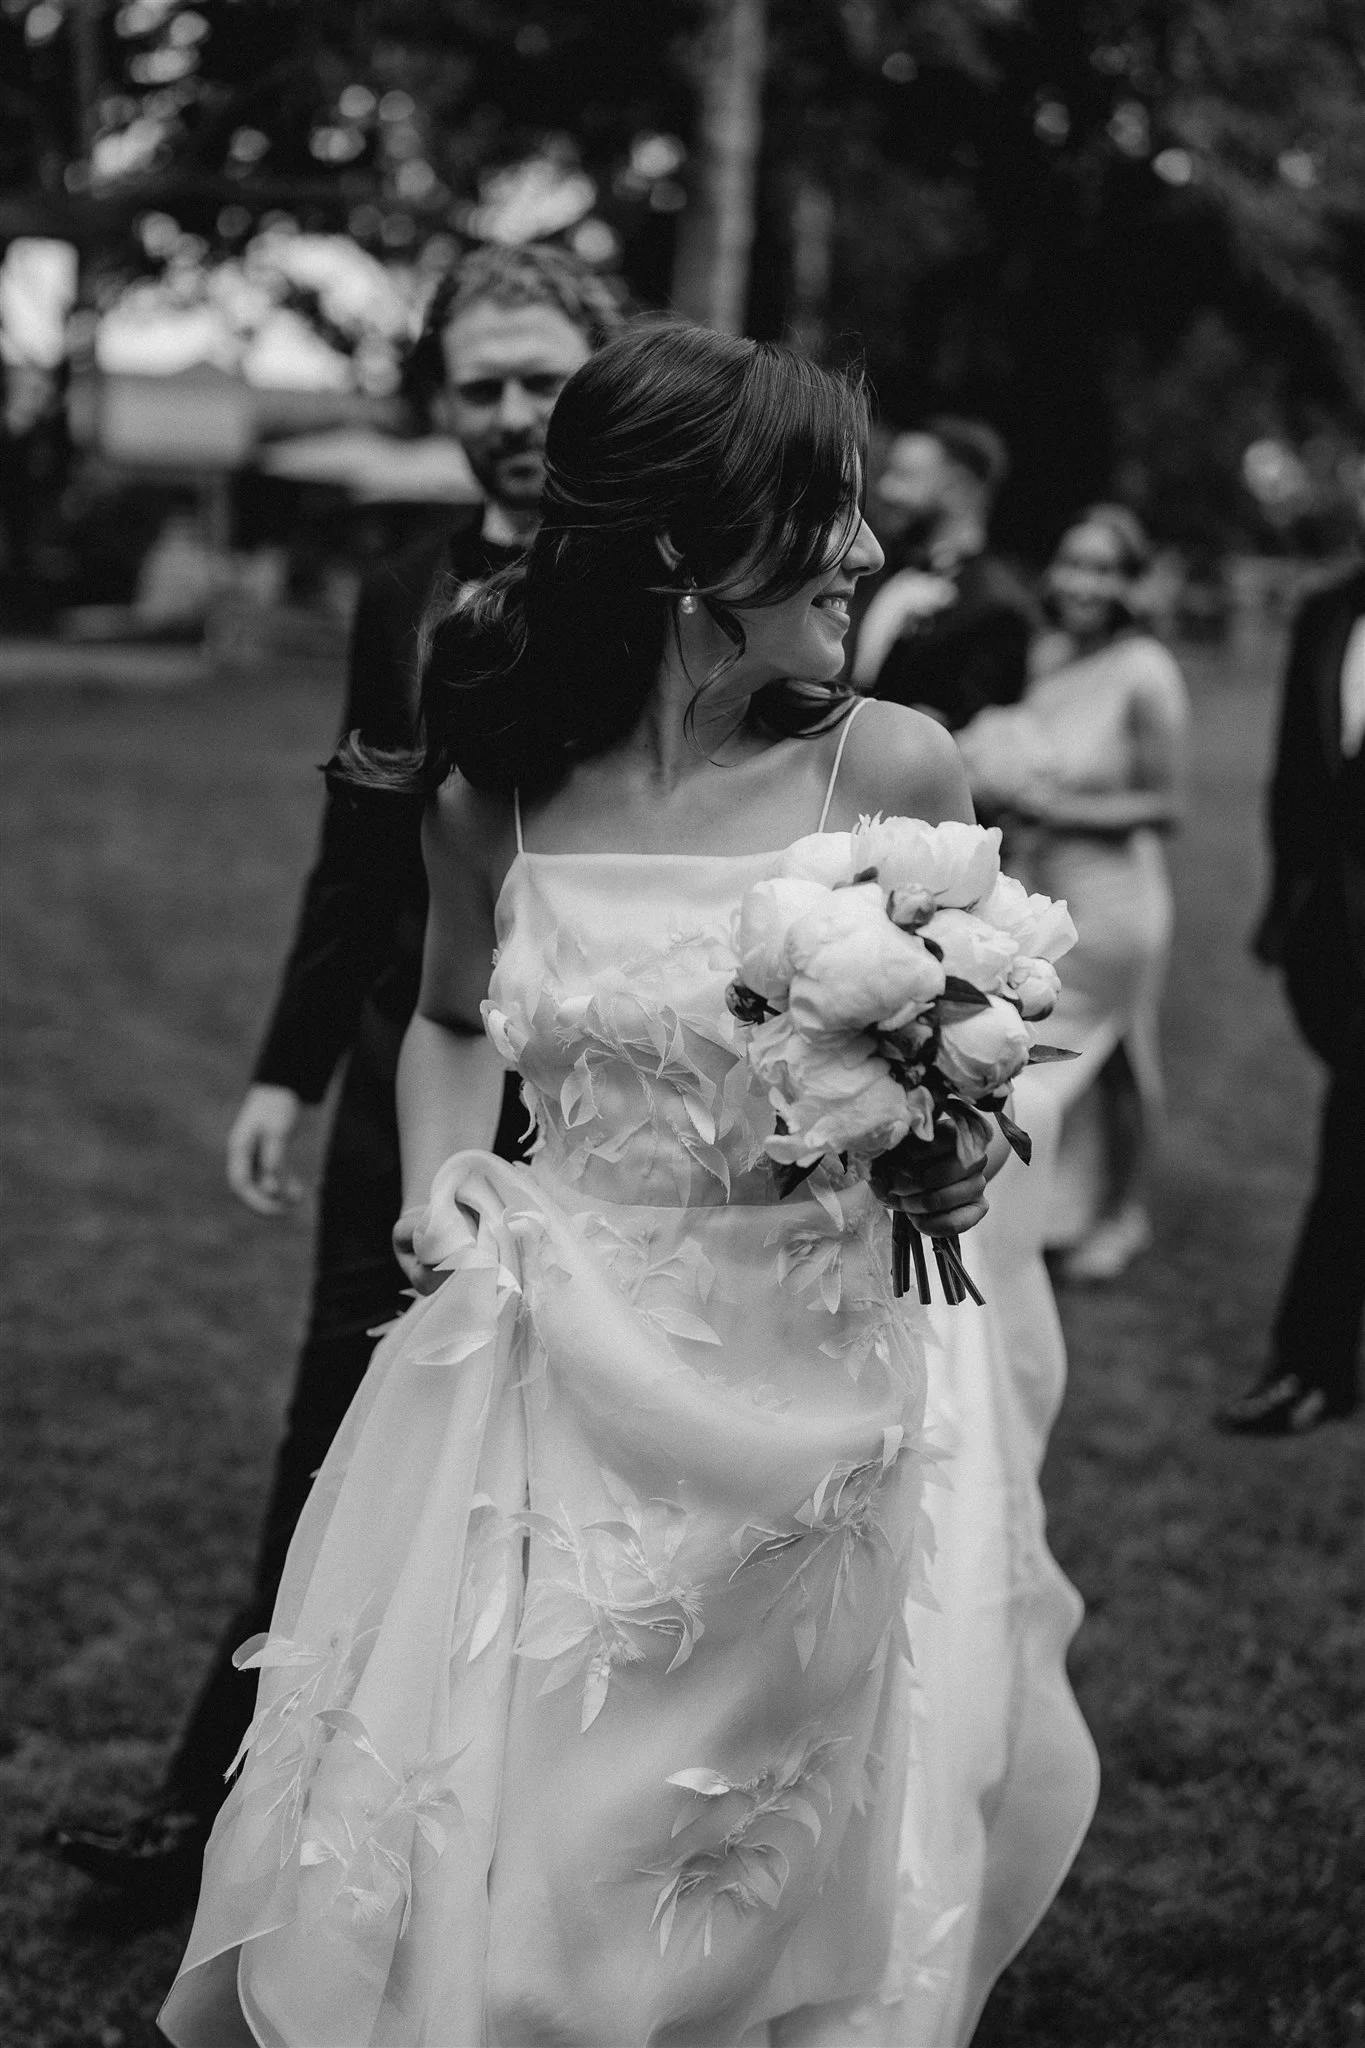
(350, 980)
(971, 653)
(1316, 920)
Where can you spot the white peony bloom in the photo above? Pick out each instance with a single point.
(1040, 928)
(1035, 986)
(956, 863)
(853, 968)
(820, 857)
(980, 1052)
(972, 949)
(763, 927)
(838, 1096)
(768, 1046)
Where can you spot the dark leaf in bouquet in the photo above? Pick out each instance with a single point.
(747, 1004)
(956, 990)
(933, 946)
(1020, 1141)
(863, 875)
(1048, 1055)
(788, 1178)
(959, 1000)
(908, 1045)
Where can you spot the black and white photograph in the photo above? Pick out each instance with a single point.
(682, 1085)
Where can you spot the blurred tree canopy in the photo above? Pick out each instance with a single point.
(1131, 232)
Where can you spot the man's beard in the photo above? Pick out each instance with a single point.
(514, 475)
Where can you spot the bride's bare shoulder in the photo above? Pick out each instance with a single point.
(902, 763)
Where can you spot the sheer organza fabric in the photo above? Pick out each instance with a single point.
(669, 1653)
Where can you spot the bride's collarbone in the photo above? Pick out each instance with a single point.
(753, 805)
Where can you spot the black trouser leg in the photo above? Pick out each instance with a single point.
(1318, 1322)
(331, 1367)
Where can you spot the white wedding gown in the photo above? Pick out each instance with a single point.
(649, 1667)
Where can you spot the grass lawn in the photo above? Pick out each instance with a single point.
(152, 851)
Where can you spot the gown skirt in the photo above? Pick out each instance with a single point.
(669, 1655)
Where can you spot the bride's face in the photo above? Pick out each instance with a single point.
(800, 638)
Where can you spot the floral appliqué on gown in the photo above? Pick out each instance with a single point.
(588, 1711)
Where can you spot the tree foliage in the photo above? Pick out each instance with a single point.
(1058, 212)
(1042, 207)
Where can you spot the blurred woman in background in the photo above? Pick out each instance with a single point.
(1091, 767)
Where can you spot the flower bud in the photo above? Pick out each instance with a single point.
(1035, 985)
(981, 1051)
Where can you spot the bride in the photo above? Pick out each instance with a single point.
(605, 1701)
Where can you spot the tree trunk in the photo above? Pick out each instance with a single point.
(812, 256)
(716, 233)
(85, 21)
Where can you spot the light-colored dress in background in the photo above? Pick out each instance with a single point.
(1117, 889)
(587, 1717)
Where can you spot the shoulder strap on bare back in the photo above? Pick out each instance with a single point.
(844, 732)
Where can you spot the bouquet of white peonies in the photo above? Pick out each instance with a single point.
(889, 977)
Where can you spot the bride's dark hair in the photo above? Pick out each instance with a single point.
(678, 463)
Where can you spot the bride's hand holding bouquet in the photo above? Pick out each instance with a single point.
(937, 1190)
(889, 977)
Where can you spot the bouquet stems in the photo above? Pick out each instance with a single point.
(907, 1250)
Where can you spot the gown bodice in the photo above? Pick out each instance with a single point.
(608, 996)
(1085, 708)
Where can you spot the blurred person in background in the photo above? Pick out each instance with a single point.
(505, 330)
(1088, 774)
(1313, 932)
(947, 627)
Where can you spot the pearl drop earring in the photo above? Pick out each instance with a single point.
(687, 604)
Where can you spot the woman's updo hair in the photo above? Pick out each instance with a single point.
(678, 462)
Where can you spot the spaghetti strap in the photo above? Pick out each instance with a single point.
(516, 813)
(838, 757)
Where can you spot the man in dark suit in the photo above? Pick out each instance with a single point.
(1313, 931)
(947, 626)
(503, 334)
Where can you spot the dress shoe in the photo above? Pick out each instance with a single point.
(153, 1862)
(1109, 1249)
(1280, 1404)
